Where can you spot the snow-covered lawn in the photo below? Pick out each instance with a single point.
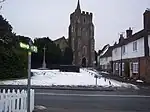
(55, 77)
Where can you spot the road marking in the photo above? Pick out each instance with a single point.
(94, 95)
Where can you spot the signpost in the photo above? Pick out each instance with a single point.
(30, 49)
(96, 79)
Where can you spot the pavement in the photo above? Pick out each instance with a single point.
(91, 101)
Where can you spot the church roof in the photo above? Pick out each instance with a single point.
(78, 7)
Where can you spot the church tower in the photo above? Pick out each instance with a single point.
(81, 37)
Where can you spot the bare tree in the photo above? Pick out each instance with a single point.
(1, 1)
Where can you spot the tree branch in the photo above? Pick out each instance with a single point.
(1, 1)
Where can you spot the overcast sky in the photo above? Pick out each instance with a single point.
(38, 18)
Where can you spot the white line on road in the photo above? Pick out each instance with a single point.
(94, 95)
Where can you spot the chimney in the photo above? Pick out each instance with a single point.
(129, 32)
(121, 38)
(147, 19)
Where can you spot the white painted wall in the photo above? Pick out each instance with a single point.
(149, 43)
(105, 60)
(129, 53)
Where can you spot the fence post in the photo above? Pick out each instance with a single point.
(1, 101)
(18, 97)
(22, 101)
(32, 100)
(5, 100)
(9, 100)
(13, 100)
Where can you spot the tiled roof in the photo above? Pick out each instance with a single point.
(134, 37)
(108, 53)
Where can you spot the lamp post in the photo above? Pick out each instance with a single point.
(30, 49)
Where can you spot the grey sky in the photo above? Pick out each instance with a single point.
(38, 18)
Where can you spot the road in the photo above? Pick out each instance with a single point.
(92, 101)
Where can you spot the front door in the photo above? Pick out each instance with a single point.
(130, 69)
(84, 62)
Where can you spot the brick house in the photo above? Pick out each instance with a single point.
(131, 56)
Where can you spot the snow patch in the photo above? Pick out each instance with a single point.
(57, 78)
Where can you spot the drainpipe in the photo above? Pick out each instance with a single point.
(121, 61)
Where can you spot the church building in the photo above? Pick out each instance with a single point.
(81, 37)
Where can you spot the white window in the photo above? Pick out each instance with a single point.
(135, 46)
(116, 66)
(123, 67)
(123, 49)
(135, 67)
(116, 50)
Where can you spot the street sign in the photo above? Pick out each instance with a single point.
(26, 46)
(30, 49)
(34, 49)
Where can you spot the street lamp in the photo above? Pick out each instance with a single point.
(30, 49)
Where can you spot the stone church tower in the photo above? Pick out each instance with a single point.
(81, 37)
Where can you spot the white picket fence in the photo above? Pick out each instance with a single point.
(12, 101)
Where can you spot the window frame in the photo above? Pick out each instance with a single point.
(135, 46)
(117, 68)
(123, 49)
(122, 67)
(135, 67)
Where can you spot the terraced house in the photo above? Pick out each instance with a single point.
(131, 56)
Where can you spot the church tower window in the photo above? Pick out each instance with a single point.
(73, 47)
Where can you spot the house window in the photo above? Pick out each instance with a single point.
(116, 66)
(123, 67)
(135, 46)
(123, 49)
(135, 67)
(116, 50)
